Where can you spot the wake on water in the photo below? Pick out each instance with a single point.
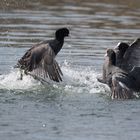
(77, 80)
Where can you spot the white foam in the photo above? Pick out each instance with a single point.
(11, 81)
(82, 80)
(77, 80)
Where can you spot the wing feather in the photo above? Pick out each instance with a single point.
(40, 61)
(120, 90)
(132, 56)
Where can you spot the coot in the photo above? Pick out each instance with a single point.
(122, 84)
(127, 57)
(40, 58)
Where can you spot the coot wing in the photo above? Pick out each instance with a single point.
(119, 89)
(123, 84)
(132, 56)
(48, 66)
(135, 74)
(24, 61)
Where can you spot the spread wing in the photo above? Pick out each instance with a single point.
(39, 61)
(123, 84)
(135, 73)
(132, 56)
(45, 71)
(47, 66)
(119, 90)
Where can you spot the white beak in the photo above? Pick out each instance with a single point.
(105, 55)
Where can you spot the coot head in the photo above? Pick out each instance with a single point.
(111, 55)
(61, 33)
(121, 48)
(120, 51)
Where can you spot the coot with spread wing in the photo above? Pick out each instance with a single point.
(127, 57)
(122, 84)
(41, 57)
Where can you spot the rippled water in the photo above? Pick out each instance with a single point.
(79, 108)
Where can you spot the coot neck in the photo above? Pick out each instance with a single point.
(111, 62)
(119, 59)
(56, 45)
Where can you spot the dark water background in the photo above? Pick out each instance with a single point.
(79, 108)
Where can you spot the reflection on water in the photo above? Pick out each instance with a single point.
(78, 108)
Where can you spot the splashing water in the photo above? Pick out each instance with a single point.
(74, 80)
(11, 81)
(82, 80)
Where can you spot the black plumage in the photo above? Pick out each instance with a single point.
(122, 84)
(40, 59)
(120, 50)
(127, 57)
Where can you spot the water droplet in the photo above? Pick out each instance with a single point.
(44, 125)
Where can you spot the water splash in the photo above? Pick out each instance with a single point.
(11, 81)
(81, 80)
(77, 80)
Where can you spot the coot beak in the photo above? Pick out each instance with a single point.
(116, 48)
(105, 55)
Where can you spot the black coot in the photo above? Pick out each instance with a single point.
(122, 84)
(41, 57)
(127, 57)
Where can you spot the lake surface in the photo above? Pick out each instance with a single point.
(79, 108)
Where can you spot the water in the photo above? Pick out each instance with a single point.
(79, 108)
